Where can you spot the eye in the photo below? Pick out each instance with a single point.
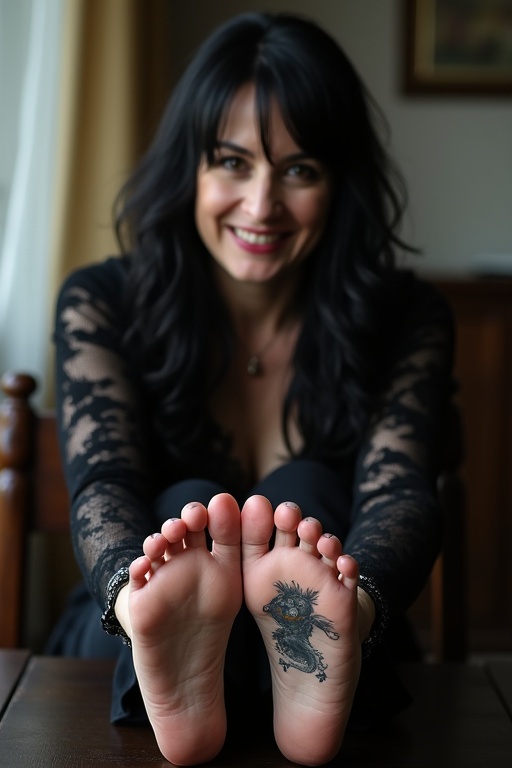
(232, 163)
(304, 172)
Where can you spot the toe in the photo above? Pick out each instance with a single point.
(139, 568)
(195, 516)
(154, 546)
(257, 519)
(174, 530)
(224, 520)
(330, 548)
(309, 531)
(349, 571)
(287, 518)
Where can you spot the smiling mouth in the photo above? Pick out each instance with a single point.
(254, 238)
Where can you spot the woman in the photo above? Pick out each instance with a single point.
(255, 379)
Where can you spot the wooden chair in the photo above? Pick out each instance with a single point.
(34, 498)
(33, 494)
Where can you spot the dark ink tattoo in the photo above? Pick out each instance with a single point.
(293, 611)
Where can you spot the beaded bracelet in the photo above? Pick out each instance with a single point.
(109, 620)
(381, 619)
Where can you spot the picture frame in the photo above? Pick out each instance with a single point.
(458, 47)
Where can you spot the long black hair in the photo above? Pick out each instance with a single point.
(352, 277)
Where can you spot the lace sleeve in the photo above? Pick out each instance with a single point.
(100, 426)
(397, 525)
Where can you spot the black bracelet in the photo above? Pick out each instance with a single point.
(109, 620)
(381, 615)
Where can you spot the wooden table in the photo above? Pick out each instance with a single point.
(500, 673)
(12, 664)
(58, 715)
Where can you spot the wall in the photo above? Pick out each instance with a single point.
(455, 152)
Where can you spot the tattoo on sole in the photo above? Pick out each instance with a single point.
(293, 610)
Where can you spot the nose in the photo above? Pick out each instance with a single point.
(262, 197)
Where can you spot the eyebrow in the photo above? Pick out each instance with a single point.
(296, 156)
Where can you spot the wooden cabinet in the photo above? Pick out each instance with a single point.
(483, 313)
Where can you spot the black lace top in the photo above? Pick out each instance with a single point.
(111, 455)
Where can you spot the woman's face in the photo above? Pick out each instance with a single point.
(258, 218)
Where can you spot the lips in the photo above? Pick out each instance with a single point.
(256, 238)
(255, 242)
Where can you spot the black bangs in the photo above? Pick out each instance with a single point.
(211, 120)
(272, 54)
(218, 98)
(313, 97)
(264, 95)
(295, 110)
(300, 119)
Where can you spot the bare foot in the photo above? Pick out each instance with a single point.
(307, 615)
(183, 601)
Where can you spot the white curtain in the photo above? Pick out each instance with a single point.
(30, 31)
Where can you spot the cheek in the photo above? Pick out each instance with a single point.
(212, 197)
(311, 209)
(203, 195)
(212, 204)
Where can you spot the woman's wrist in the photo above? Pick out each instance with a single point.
(109, 618)
(374, 614)
(121, 609)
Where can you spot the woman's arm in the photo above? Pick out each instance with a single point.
(101, 426)
(397, 524)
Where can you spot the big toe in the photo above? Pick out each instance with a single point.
(257, 526)
(224, 519)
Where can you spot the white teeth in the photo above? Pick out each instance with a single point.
(253, 238)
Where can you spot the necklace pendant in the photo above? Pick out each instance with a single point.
(253, 365)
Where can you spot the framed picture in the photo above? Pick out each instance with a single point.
(458, 46)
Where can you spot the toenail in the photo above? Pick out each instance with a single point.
(328, 535)
(154, 535)
(191, 505)
(291, 504)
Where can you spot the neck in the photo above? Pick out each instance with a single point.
(265, 316)
(263, 352)
(260, 309)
